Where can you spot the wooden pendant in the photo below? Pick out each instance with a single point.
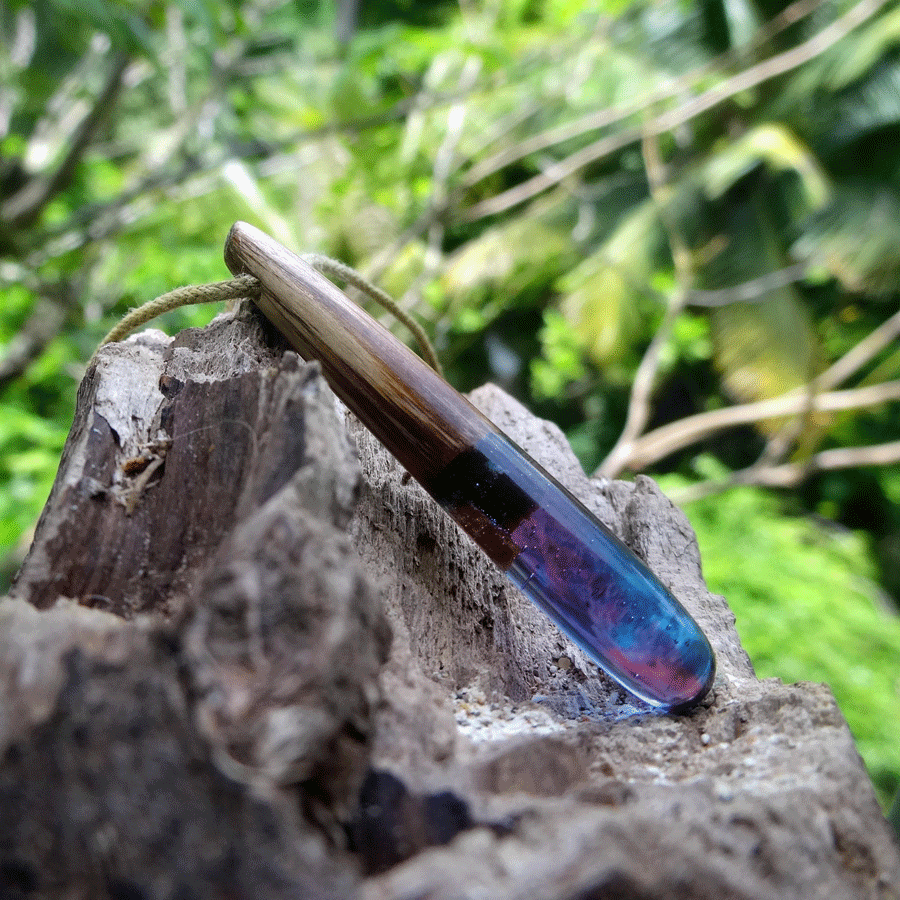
(552, 548)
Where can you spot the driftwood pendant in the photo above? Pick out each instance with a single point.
(593, 587)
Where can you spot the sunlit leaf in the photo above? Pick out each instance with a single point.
(742, 19)
(765, 349)
(404, 269)
(511, 256)
(775, 146)
(601, 294)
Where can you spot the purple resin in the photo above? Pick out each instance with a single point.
(580, 574)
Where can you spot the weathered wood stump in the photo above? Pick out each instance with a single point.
(241, 660)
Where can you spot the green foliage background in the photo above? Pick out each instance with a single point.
(528, 177)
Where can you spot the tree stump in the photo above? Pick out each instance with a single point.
(247, 657)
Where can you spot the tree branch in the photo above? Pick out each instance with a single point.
(611, 115)
(660, 443)
(667, 121)
(855, 359)
(792, 474)
(753, 291)
(24, 207)
(47, 320)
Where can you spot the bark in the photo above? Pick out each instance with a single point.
(245, 658)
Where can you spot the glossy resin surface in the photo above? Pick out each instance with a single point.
(583, 577)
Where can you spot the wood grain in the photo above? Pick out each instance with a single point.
(420, 418)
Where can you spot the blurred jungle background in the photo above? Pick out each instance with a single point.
(672, 226)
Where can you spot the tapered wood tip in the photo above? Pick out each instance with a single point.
(239, 238)
(231, 257)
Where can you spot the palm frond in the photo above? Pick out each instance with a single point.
(601, 294)
(771, 144)
(869, 105)
(493, 271)
(847, 61)
(762, 349)
(856, 238)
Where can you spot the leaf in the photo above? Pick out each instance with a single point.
(867, 106)
(602, 294)
(561, 362)
(514, 257)
(857, 239)
(743, 21)
(775, 146)
(853, 57)
(767, 348)
(123, 22)
(403, 269)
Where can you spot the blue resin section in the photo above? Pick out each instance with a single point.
(580, 574)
